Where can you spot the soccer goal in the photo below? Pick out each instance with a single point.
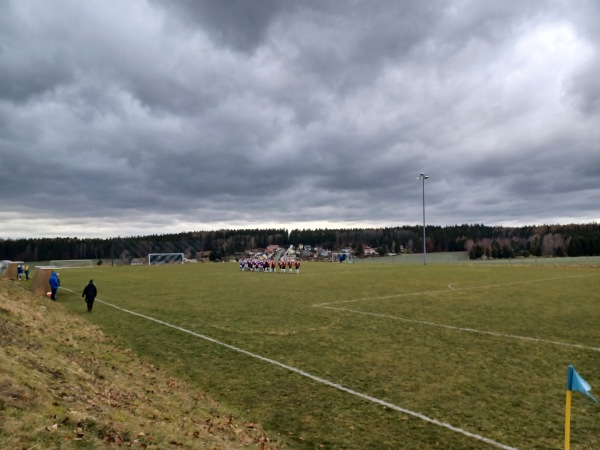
(3, 266)
(165, 258)
(70, 263)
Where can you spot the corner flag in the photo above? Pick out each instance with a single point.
(574, 383)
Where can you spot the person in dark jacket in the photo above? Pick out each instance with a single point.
(90, 292)
(54, 285)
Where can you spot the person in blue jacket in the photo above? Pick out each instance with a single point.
(54, 285)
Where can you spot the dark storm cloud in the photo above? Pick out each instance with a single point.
(161, 116)
(239, 24)
(18, 81)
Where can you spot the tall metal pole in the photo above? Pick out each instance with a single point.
(423, 177)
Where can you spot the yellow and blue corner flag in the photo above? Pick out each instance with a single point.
(576, 383)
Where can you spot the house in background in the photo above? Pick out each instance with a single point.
(369, 251)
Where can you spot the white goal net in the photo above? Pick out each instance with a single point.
(165, 258)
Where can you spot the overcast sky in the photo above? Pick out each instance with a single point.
(121, 118)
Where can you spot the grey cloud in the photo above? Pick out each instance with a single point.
(585, 89)
(18, 84)
(239, 24)
(161, 113)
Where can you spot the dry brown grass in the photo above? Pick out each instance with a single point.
(64, 384)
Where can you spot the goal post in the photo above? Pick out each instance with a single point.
(165, 258)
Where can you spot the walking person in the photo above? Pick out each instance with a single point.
(26, 269)
(90, 292)
(54, 285)
(20, 272)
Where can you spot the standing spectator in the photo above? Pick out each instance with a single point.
(26, 268)
(54, 285)
(90, 292)
(20, 272)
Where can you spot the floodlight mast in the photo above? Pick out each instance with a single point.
(423, 177)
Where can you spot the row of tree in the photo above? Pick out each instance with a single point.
(478, 239)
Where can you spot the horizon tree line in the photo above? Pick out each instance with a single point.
(477, 239)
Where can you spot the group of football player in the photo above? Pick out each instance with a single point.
(270, 265)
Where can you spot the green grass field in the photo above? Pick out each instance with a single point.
(377, 356)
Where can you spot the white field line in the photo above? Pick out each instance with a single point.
(316, 378)
(451, 288)
(445, 291)
(471, 330)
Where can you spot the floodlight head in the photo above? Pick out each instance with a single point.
(422, 176)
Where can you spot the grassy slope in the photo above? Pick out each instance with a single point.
(65, 384)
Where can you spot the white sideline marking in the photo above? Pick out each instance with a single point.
(445, 291)
(472, 330)
(317, 379)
